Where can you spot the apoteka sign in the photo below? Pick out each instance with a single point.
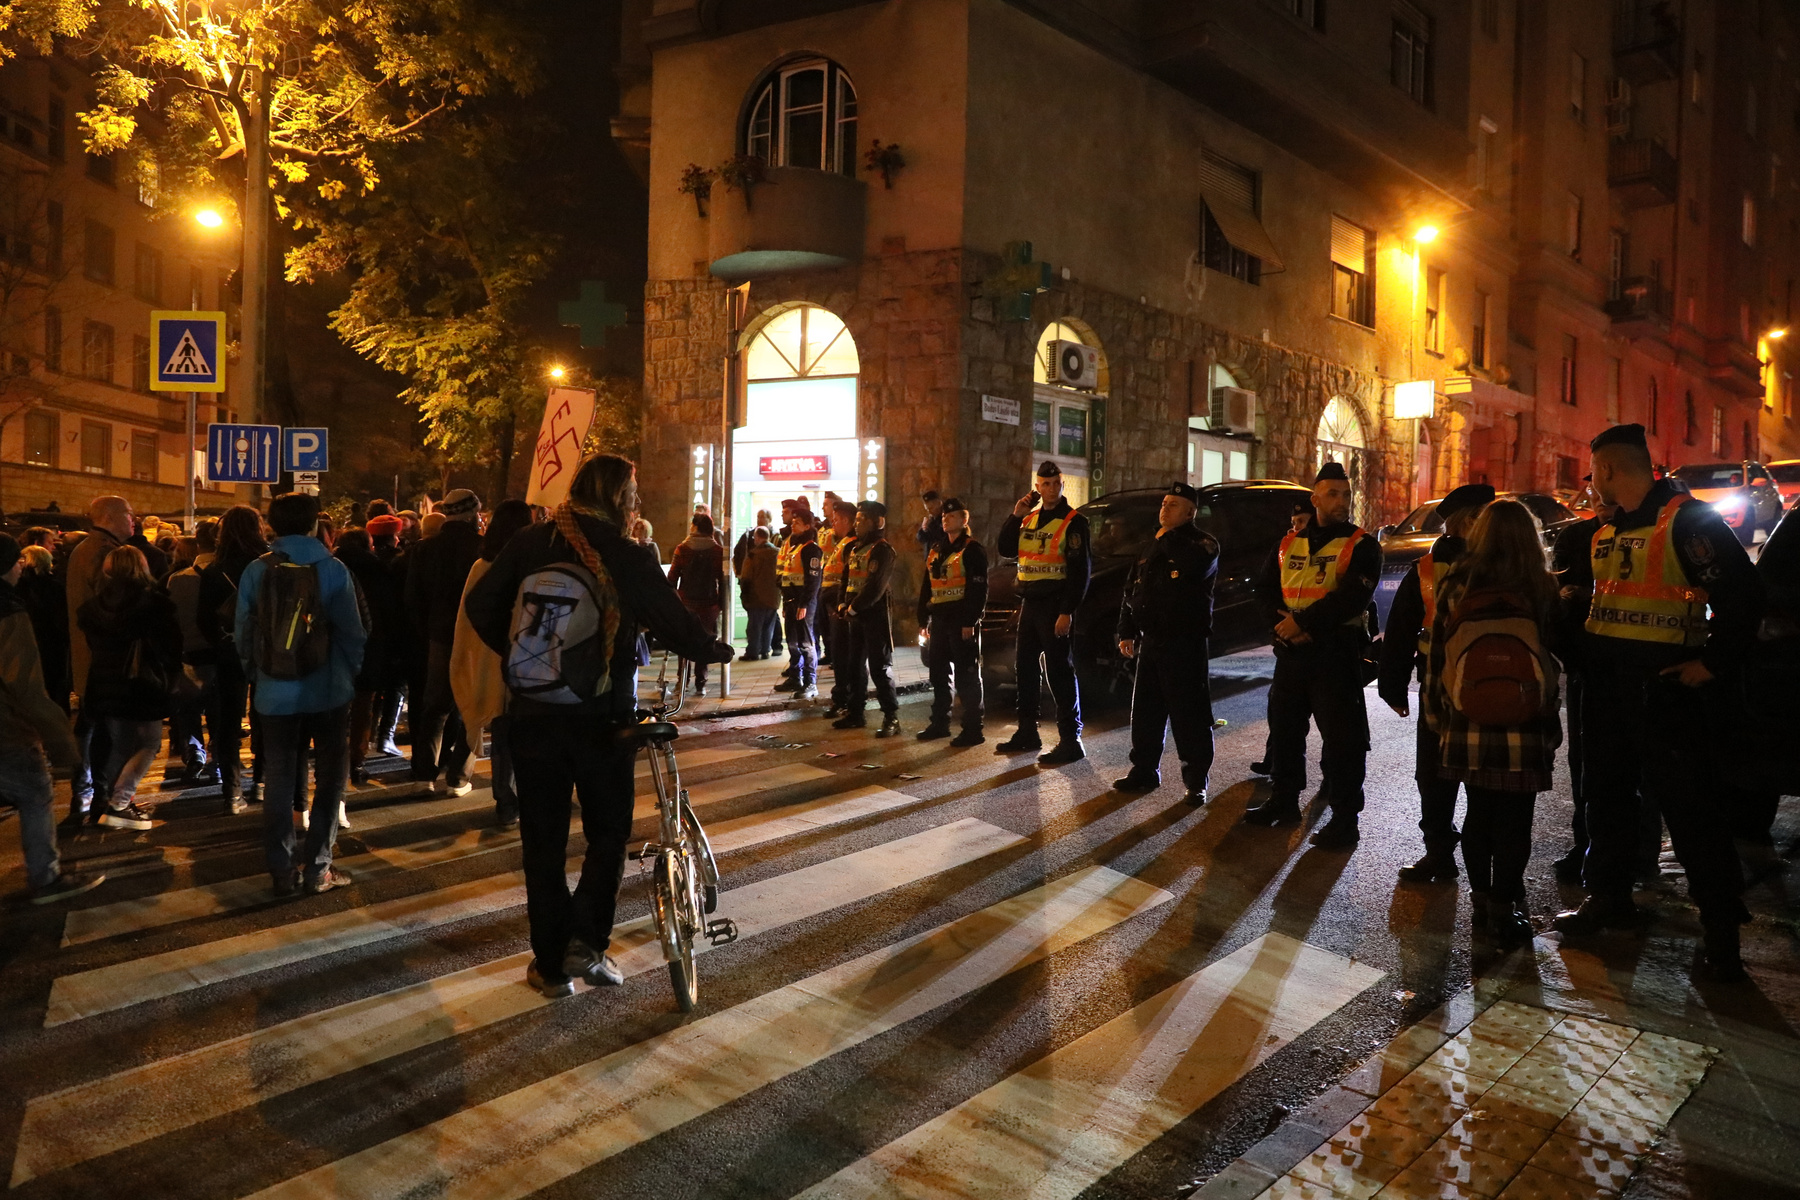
(794, 466)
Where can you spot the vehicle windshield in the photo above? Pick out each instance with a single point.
(1122, 528)
(1721, 475)
(1786, 472)
(1423, 519)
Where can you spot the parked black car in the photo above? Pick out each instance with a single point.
(1410, 540)
(1248, 518)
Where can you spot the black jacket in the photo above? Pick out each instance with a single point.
(1712, 558)
(964, 613)
(1169, 595)
(1328, 621)
(1066, 593)
(45, 598)
(1406, 620)
(216, 614)
(384, 661)
(871, 600)
(436, 572)
(646, 601)
(126, 627)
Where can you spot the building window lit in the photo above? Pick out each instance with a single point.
(804, 115)
(1718, 430)
(1353, 271)
(1410, 61)
(1068, 423)
(41, 433)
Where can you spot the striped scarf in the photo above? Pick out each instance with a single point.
(569, 526)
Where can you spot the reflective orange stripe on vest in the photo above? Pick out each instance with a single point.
(1307, 578)
(787, 564)
(1641, 592)
(1041, 551)
(948, 583)
(856, 566)
(834, 555)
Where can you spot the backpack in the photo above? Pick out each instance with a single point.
(293, 630)
(1495, 669)
(557, 651)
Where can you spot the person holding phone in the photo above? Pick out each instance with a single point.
(1050, 541)
(951, 598)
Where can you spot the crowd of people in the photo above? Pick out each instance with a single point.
(531, 626)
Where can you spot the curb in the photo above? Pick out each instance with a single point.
(763, 707)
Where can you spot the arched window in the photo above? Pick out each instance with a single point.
(1341, 440)
(801, 342)
(1068, 423)
(804, 115)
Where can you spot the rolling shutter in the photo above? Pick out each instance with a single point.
(1230, 195)
(1349, 245)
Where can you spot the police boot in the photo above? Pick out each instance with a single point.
(1276, 810)
(1260, 767)
(1438, 865)
(791, 684)
(1507, 924)
(933, 731)
(834, 712)
(1065, 752)
(850, 720)
(1596, 914)
(971, 736)
(1134, 781)
(890, 726)
(1024, 739)
(1339, 833)
(1723, 961)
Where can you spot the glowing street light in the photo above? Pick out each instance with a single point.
(209, 217)
(1425, 233)
(1776, 333)
(557, 372)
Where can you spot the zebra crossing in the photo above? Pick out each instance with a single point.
(870, 908)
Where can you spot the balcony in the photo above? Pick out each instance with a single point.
(1643, 306)
(1646, 41)
(1641, 173)
(1734, 366)
(794, 220)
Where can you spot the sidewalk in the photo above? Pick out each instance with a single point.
(753, 684)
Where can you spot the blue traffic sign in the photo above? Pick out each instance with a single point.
(304, 450)
(187, 351)
(243, 453)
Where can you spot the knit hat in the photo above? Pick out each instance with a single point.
(385, 526)
(460, 504)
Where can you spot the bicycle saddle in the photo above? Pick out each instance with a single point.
(649, 731)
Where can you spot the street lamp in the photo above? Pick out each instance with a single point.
(209, 217)
(1425, 233)
(557, 372)
(1776, 334)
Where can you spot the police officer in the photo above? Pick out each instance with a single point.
(1652, 660)
(799, 568)
(1050, 540)
(950, 602)
(833, 543)
(1320, 582)
(869, 644)
(1164, 624)
(1408, 644)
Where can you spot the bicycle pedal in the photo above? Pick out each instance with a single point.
(721, 932)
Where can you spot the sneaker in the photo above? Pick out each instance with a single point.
(128, 817)
(1022, 741)
(599, 970)
(302, 820)
(810, 693)
(1133, 782)
(1064, 752)
(968, 737)
(444, 787)
(235, 805)
(555, 987)
(359, 775)
(933, 732)
(327, 879)
(699, 694)
(890, 726)
(254, 795)
(851, 720)
(343, 816)
(67, 886)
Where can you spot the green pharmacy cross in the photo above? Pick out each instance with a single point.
(591, 312)
(1016, 283)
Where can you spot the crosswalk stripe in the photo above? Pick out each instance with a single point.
(703, 757)
(805, 818)
(186, 904)
(1060, 1125)
(518, 1143)
(108, 1114)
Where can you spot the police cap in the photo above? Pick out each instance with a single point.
(1331, 470)
(1469, 495)
(1048, 470)
(954, 505)
(1186, 492)
(875, 510)
(1621, 435)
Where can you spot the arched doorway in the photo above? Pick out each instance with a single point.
(1341, 440)
(1068, 410)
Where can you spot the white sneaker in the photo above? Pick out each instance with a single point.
(458, 789)
(343, 816)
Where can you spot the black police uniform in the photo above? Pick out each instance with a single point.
(869, 640)
(1168, 612)
(837, 627)
(1400, 658)
(1042, 602)
(807, 564)
(1323, 678)
(1645, 732)
(948, 653)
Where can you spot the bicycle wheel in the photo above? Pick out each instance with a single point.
(676, 928)
(703, 855)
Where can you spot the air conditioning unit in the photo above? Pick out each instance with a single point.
(1073, 365)
(1234, 410)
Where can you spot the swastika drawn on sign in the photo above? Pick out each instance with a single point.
(566, 419)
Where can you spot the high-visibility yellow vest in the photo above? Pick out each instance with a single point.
(1307, 578)
(1431, 574)
(948, 583)
(856, 565)
(788, 567)
(834, 555)
(1041, 553)
(1640, 590)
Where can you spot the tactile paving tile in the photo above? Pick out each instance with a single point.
(1421, 1110)
(1642, 1103)
(1615, 1131)
(1378, 1138)
(1484, 1130)
(1549, 1079)
(1663, 1046)
(1415, 1183)
(1596, 1033)
(1505, 1021)
(1477, 1056)
(1585, 1057)
(1533, 1183)
(1457, 1087)
(1585, 1163)
(1670, 1075)
(1289, 1188)
(1531, 1108)
(1349, 1175)
(1470, 1169)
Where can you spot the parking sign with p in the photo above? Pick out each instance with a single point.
(187, 350)
(304, 450)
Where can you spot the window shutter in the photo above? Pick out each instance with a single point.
(1226, 183)
(1349, 245)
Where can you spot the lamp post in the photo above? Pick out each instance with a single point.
(1417, 410)
(207, 219)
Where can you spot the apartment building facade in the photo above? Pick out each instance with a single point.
(91, 250)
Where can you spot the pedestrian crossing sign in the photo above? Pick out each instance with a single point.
(187, 351)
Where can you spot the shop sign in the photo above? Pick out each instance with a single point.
(794, 466)
(700, 475)
(1000, 410)
(874, 470)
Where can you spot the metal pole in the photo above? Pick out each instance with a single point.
(193, 403)
(736, 301)
(255, 312)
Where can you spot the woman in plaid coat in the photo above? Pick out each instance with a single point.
(1503, 583)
